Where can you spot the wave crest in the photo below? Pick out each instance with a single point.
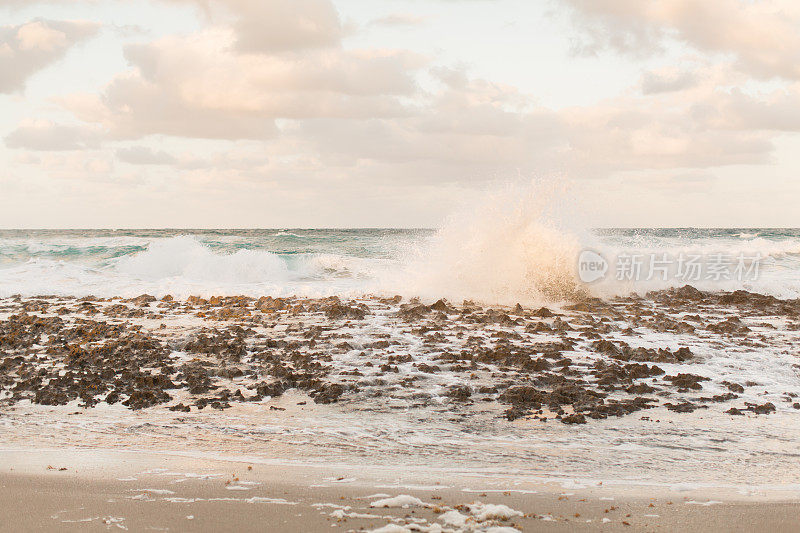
(508, 247)
(186, 258)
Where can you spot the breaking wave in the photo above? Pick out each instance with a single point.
(516, 244)
(508, 247)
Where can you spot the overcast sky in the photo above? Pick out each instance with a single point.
(320, 113)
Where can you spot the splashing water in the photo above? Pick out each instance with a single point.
(506, 248)
(512, 245)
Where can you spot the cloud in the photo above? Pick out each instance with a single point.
(30, 47)
(46, 135)
(735, 110)
(308, 110)
(677, 184)
(398, 20)
(75, 167)
(21, 4)
(142, 155)
(197, 86)
(667, 80)
(763, 37)
(276, 25)
(473, 129)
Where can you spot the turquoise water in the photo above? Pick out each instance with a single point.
(21, 245)
(349, 261)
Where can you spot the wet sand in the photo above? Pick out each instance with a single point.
(102, 490)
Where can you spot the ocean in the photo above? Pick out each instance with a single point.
(673, 388)
(496, 264)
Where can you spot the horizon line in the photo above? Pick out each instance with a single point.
(340, 228)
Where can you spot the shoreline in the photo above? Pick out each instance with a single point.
(92, 464)
(550, 412)
(133, 490)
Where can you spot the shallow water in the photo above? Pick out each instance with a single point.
(384, 422)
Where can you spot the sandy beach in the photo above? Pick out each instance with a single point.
(91, 490)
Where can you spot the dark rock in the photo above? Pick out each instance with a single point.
(575, 418)
(733, 387)
(459, 392)
(687, 381)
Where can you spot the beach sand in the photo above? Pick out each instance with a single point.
(136, 491)
(674, 412)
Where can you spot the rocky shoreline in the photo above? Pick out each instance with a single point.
(577, 362)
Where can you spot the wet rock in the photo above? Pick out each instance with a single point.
(514, 413)
(639, 388)
(460, 393)
(112, 398)
(730, 326)
(752, 299)
(561, 325)
(524, 395)
(328, 393)
(606, 408)
(575, 418)
(143, 300)
(685, 381)
(227, 344)
(278, 344)
(140, 399)
(272, 390)
(688, 292)
(684, 407)
(728, 396)
(338, 311)
(624, 352)
(441, 305)
(428, 369)
(538, 327)
(269, 304)
(412, 312)
(763, 409)
(733, 387)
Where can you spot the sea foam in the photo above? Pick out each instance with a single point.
(515, 244)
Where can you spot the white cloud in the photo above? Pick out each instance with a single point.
(76, 167)
(763, 37)
(27, 48)
(143, 155)
(265, 96)
(667, 80)
(276, 25)
(197, 86)
(398, 20)
(49, 136)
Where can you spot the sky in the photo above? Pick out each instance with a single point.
(389, 113)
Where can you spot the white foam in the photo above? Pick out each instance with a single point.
(490, 511)
(403, 500)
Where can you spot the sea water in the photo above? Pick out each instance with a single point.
(504, 262)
